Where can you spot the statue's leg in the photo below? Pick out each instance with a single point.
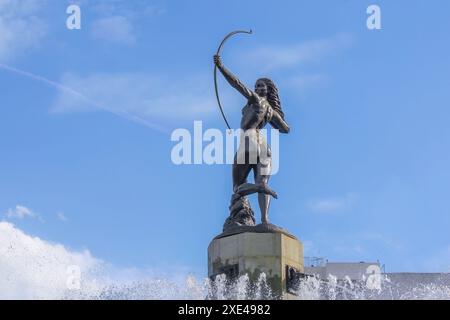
(240, 173)
(241, 213)
(262, 175)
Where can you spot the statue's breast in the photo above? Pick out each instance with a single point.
(246, 109)
(252, 112)
(255, 105)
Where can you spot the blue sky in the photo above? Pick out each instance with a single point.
(364, 173)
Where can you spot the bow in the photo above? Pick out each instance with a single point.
(215, 70)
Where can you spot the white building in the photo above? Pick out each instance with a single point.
(356, 271)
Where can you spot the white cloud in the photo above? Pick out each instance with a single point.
(20, 27)
(70, 96)
(134, 9)
(332, 205)
(272, 57)
(117, 19)
(61, 216)
(32, 268)
(115, 29)
(20, 212)
(152, 10)
(148, 100)
(305, 81)
(155, 100)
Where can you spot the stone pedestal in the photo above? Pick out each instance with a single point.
(254, 252)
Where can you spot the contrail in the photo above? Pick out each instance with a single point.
(120, 113)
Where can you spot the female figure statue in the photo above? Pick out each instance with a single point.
(263, 106)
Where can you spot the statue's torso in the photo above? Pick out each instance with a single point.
(254, 119)
(251, 109)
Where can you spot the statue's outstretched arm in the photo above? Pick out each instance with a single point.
(232, 79)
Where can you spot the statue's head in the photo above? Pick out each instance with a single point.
(265, 87)
(261, 87)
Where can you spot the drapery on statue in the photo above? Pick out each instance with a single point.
(263, 106)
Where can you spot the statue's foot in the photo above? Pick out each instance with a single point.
(246, 189)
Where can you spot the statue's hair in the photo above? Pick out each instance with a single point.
(273, 96)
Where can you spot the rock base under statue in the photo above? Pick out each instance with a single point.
(264, 248)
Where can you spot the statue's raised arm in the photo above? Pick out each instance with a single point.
(232, 79)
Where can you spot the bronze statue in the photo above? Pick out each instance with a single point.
(263, 106)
